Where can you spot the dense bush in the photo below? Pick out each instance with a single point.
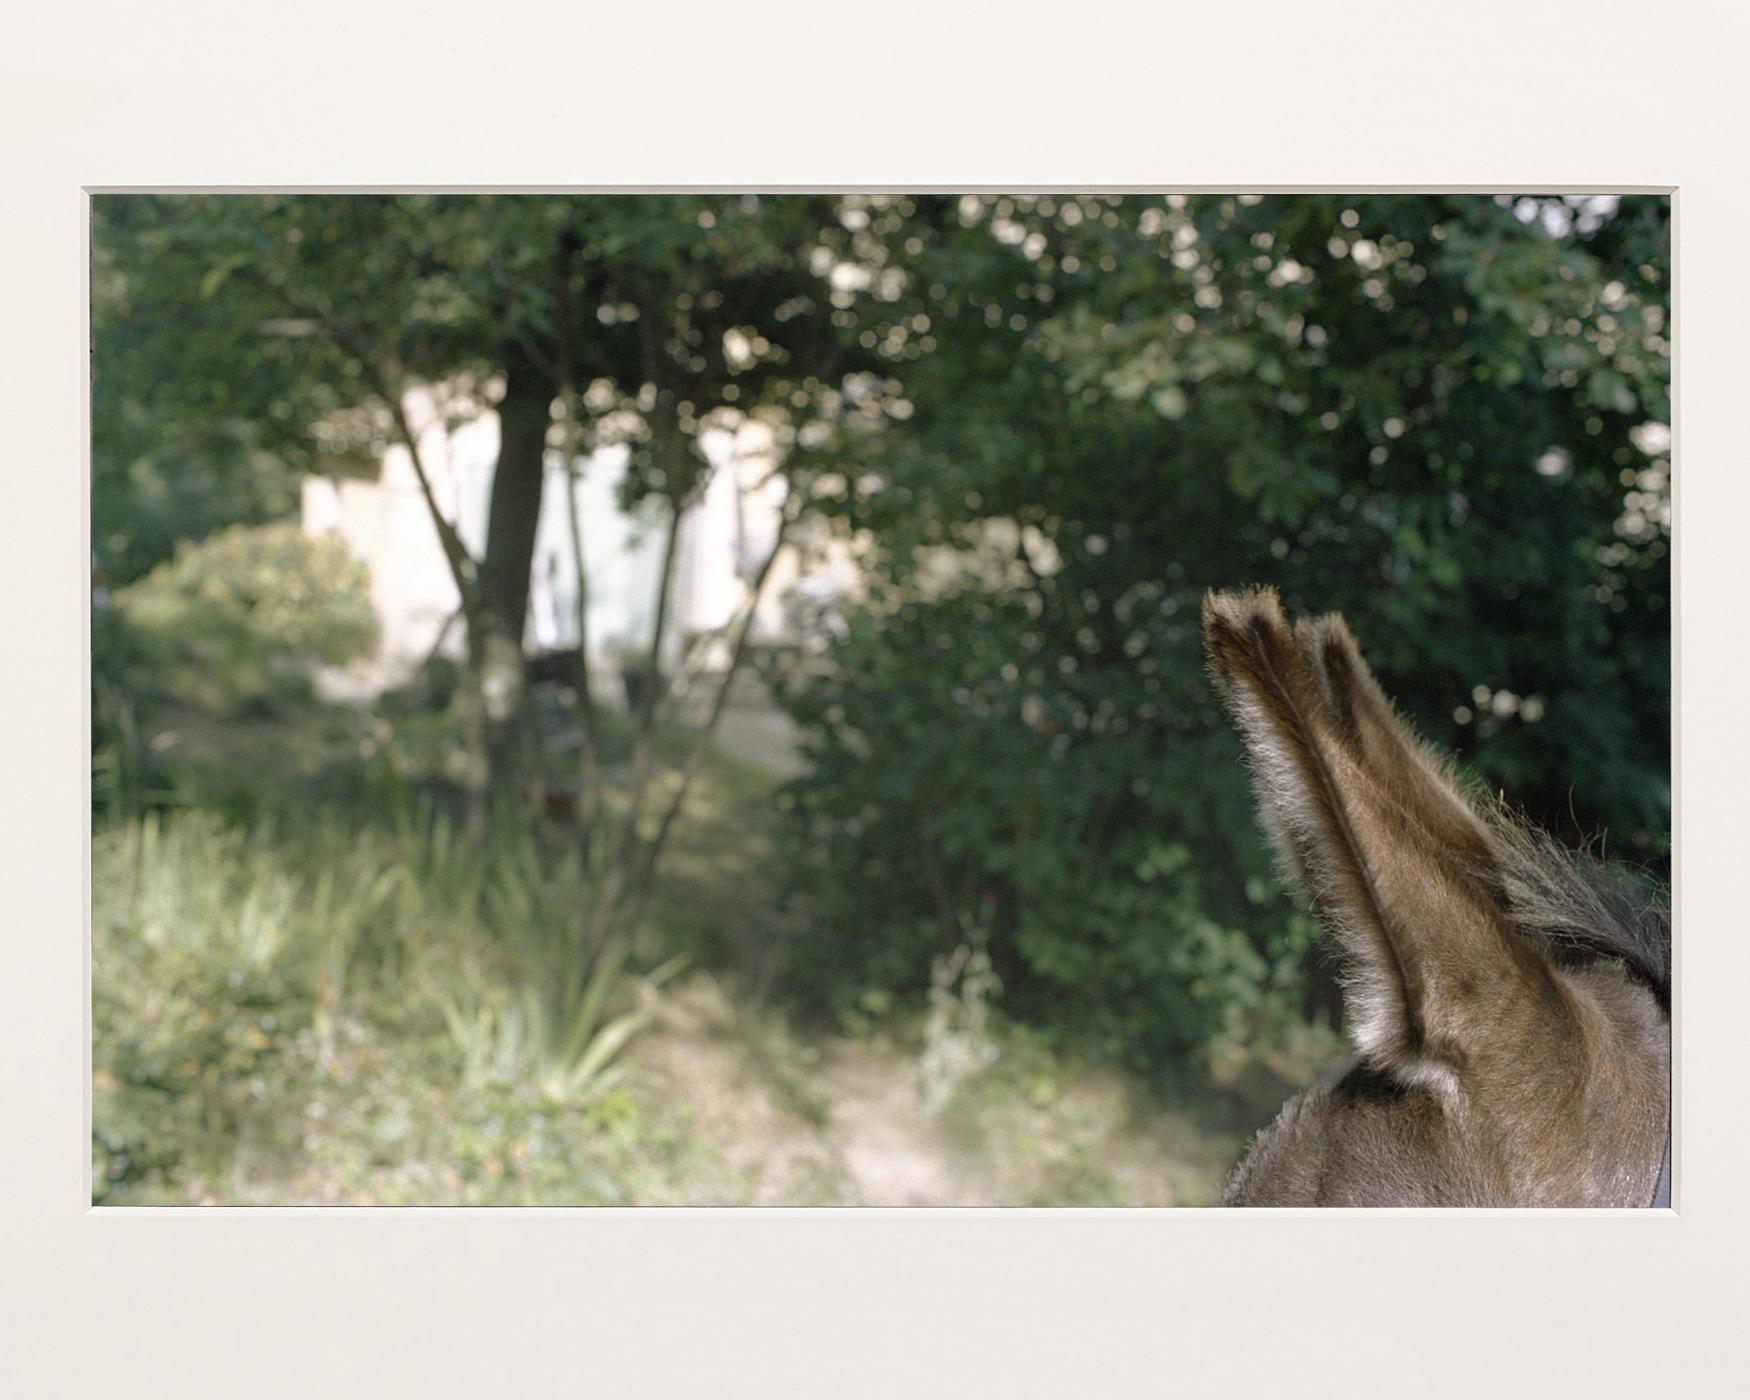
(1444, 417)
(964, 783)
(241, 617)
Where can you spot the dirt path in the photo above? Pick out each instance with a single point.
(840, 1122)
(892, 1153)
(845, 1130)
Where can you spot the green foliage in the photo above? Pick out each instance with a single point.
(241, 616)
(202, 406)
(1443, 416)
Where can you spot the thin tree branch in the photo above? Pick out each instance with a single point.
(464, 569)
(652, 850)
(642, 739)
(588, 795)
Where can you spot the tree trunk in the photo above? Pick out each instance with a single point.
(524, 414)
(513, 513)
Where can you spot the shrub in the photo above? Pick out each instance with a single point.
(240, 618)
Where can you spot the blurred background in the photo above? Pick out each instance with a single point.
(698, 700)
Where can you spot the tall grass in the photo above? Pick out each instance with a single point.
(232, 960)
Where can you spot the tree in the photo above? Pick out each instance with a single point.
(269, 312)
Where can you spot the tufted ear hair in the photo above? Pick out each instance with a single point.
(1368, 822)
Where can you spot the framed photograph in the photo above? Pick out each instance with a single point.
(1055, 756)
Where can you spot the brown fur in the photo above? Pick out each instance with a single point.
(1510, 1019)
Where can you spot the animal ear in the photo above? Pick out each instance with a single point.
(1394, 860)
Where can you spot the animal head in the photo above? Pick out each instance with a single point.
(1508, 1000)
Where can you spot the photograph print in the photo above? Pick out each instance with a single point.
(846, 699)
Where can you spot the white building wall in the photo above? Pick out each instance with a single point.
(723, 540)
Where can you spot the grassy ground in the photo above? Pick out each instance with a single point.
(300, 1005)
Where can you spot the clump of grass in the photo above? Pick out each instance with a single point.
(570, 1011)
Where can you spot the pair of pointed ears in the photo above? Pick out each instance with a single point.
(1398, 865)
